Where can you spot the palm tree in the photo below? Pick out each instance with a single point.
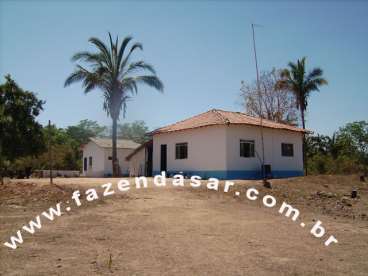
(296, 80)
(112, 71)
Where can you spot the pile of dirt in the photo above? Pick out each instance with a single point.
(25, 193)
(327, 194)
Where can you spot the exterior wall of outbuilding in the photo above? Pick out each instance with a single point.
(123, 163)
(137, 163)
(101, 165)
(98, 166)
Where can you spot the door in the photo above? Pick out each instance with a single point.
(85, 164)
(149, 150)
(163, 158)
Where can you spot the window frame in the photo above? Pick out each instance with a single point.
(178, 153)
(252, 151)
(287, 153)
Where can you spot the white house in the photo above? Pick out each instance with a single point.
(225, 145)
(97, 157)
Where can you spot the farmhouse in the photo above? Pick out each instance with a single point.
(221, 144)
(97, 156)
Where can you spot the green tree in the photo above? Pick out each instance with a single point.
(353, 137)
(296, 79)
(65, 154)
(112, 71)
(20, 135)
(84, 130)
(136, 131)
(346, 151)
(4, 119)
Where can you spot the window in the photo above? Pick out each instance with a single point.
(181, 151)
(287, 149)
(110, 158)
(90, 161)
(246, 148)
(85, 164)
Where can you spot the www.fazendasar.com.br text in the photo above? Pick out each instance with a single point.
(124, 185)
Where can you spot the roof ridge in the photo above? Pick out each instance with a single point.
(110, 139)
(222, 117)
(192, 117)
(257, 117)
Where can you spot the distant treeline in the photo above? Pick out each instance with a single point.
(345, 152)
(24, 142)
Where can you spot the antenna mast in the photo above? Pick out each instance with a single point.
(260, 101)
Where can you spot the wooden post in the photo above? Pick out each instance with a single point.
(50, 154)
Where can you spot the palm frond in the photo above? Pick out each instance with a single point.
(132, 49)
(76, 76)
(86, 57)
(315, 73)
(152, 81)
(102, 47)
(122, 48)
(137, 66)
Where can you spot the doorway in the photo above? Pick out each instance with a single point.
(163, 158)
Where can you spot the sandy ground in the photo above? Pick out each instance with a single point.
(184, 231)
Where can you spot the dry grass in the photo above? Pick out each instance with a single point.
(186, 231)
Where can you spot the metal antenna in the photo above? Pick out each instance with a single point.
(260, 98)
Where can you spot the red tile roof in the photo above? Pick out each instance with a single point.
(221, 117)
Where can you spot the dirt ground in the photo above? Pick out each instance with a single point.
(187, 231)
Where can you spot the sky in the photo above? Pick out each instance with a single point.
(201, 50)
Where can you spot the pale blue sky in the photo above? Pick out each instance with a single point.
(201, 50)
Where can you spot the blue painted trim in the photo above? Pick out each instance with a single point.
(231, 175)
(284, 174)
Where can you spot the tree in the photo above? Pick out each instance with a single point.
(354, 138)
(112, 71)
(84, 130)
(346, 151)
(271, 102)
(136, 131)
(4, 119)
(357, 133)
(20, 135)
(296, 80)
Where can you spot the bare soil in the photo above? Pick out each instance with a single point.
(186, 231)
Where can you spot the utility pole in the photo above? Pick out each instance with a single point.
(260, 102)
(50, 153)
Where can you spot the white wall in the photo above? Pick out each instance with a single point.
(217, 148)
(272, 148)
(137, 163)
(206, 149)
(97, 153)
(123, 163)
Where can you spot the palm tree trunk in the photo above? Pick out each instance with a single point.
(303, 148)
(115, 163)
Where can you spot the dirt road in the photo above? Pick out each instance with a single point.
(178, 231)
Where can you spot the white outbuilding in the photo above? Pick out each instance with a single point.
(97, 157)
(225, 145)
